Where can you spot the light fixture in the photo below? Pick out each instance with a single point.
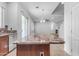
(42, 21)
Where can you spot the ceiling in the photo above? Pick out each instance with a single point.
(53, 11)
(58, 14)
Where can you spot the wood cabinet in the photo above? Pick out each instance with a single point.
(33, 49)
(4, 44)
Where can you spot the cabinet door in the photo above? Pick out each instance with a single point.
(4, 46)
(43, 50)
(12, 38)
(56, 49)
(75, 29)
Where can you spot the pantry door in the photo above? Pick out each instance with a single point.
(75, 29)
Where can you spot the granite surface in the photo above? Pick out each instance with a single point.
(3, 34)
(42, 40)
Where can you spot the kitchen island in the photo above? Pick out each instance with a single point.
(35, 47)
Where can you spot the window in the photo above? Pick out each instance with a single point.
(52, 25)
(2, 17)
(24, 26)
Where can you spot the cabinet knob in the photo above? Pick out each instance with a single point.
(42, 53)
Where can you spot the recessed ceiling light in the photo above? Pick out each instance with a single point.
(42, 21)
(37, 6)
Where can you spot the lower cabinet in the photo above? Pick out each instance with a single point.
(57, 49)
(12, 39)
(4, 45)
(33, 50)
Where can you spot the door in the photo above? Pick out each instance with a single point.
(75, 30)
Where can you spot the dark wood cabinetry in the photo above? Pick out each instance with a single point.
(4, 44)
(33, 49)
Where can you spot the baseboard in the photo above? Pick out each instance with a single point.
(67, 54)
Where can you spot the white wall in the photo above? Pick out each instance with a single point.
(12, 15)
(45, 28)
(61, 30)
(32, 27)
(42, 28)
(4, 5)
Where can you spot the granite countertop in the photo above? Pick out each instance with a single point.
(32, 42)
(55, 41)
(12, 31)
(3, 34)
